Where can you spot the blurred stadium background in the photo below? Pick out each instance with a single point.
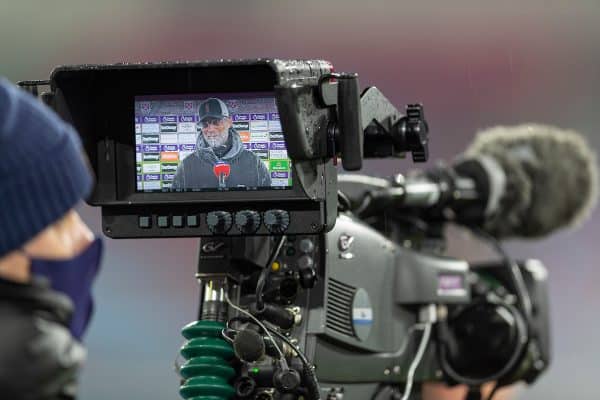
(472, 65)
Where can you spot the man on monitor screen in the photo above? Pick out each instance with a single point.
(220, 159)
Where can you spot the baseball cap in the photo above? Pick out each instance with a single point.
(212, 108)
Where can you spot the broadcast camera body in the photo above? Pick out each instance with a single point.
(310, 287)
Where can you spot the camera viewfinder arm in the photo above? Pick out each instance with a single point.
(388, 133)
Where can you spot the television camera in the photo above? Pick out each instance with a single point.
(312, 285)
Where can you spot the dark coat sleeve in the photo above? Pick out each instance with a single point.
(178, 180)
(39, 359)
(264, 177)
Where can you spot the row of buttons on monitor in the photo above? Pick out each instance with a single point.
(247, 221)
(164, 221)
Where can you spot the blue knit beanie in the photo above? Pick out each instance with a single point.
(43, 173)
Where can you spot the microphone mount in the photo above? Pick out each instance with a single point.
(368, 125)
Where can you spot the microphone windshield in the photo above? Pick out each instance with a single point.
(551, 178)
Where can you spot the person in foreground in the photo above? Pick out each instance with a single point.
(48, 256)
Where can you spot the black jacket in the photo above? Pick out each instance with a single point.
(39, 359)
(196, 170)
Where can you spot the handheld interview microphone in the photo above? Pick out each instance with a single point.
(222, 171)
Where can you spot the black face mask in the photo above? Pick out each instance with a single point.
(73, 277)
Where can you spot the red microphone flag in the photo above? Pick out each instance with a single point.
(222, 169)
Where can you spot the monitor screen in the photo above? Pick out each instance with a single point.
(210, 142)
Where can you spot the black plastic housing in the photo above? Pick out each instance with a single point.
(99, 101)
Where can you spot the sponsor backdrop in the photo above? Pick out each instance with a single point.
(473, 65)
(166, 131)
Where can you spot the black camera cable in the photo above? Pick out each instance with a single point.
(514, 272)
(311, 379)
(264, 274)
(521, 312)
(518, 282)
(309, 369)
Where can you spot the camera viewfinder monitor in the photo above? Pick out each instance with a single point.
(210, 142)
(194, 149)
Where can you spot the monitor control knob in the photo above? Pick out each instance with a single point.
(218, 222)
(247, 221)
(277, 221)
